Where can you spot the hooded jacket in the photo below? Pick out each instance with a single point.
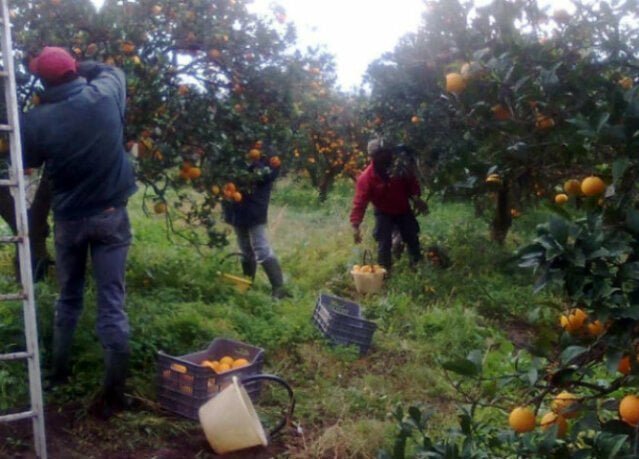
(389, 195)
(77, 132)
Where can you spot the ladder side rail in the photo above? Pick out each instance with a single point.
(22, 225)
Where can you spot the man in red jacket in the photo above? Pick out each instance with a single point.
(391, 197)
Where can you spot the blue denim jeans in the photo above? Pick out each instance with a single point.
(253, 242)
(107, 237)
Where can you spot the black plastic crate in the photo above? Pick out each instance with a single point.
(184, 385)
(341, 321)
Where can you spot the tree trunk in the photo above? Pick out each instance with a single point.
(324, 186)
(503, 220)
(38, 215)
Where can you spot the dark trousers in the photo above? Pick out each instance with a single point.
(409, 229)
(107, 237)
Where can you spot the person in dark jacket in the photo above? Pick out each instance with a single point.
(391, 196)
(248, 218)
(77, 134)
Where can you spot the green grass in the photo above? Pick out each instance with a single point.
(176, 303)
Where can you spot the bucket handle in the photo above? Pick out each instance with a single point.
(369, 255)
(289, 413)
(239, 255)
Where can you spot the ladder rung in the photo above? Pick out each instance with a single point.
(18, 416)
(15, 356)
(6, 127)
(7, 182)
(11, 239)
(13, 296)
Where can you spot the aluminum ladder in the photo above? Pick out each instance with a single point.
(16, 183)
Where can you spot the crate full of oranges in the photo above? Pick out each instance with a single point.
(188, 381)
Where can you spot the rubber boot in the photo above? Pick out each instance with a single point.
(249, 267)
(113, 400)
(60, 367)
(274, 273)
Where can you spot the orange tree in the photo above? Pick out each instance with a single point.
(328, 138)
(503, 90)
(208, 86)
(330, 142)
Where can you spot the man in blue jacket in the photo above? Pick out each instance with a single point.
(248, 218)
(77, 132)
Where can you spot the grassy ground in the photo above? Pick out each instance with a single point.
(177, 304)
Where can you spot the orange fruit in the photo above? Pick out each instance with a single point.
(193, 172)
(595, 328)
(574, 321)
(626, 82)
(624, 365)
(227, 359)
(592, 186)
(223, 367)
(254, 154)
(493, 179)
(500, 112)
(629, 409)
(549, 419)
(159, 207)
(214, 54)
(4, 145)
(564, 404)
(237, 196)
(229, 189)
(544, 122)
(572, 187)
(275, 162)
(561, 198)
(240, 363)
(183, 90)
(127, 47)
(215, 190)
(415, 119)
(178, 368)
(522, 419)
(455, 83)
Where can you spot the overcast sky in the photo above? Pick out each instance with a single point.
(355, 31)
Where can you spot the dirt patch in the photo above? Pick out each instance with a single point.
(521, 334)
(72, 437)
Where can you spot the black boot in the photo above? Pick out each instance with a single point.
(112, 399)
(274, 273)
(249, 267)
(60, 368)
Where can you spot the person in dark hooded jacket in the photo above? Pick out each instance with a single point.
(77, 134)
(248, 218)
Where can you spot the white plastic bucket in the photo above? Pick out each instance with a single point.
(369, 282)
(230, 422)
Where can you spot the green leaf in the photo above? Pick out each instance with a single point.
(619, 167)
(632, 220)
(559, 230)
(603, 119)
(630, 313)
(462, 367)
(572, 352)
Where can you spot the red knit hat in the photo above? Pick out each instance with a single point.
(53, 65)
